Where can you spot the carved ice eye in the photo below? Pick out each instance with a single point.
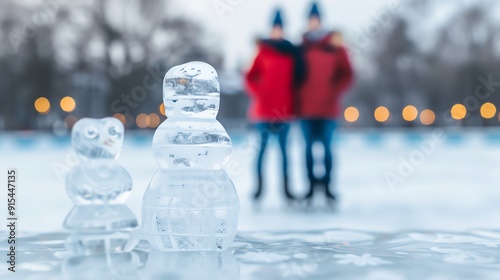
(91, 132)
(114, 132)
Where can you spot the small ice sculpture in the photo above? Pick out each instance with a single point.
(191, 204)
(100, 221)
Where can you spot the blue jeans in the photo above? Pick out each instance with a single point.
(319, 130)
(267, 129)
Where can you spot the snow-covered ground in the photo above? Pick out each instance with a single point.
(449, 183)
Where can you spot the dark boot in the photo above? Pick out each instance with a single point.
(330, 197)
(257, 195)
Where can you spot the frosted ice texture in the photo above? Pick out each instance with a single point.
(97, 138)
(100, 221)
(191, 136)
(191, 204)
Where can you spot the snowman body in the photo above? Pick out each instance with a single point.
(99, 222)
(191, 204)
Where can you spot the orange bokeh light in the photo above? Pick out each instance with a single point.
(382, 114)
(351, 114)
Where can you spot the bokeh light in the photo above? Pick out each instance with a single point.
(427, 117)
(488, 110)
(154, 120)
(142, 120)
(458, 111)
(381, 114)
(162, 109)
(68, 104)
(351, 114)
(42, 105)
(121, 117)
(410, 113)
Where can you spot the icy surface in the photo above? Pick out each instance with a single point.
(455, 189)
(191, 204)
(438, 224)
(328, 254)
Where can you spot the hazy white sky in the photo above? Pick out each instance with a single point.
(233, 25)
(248, 19)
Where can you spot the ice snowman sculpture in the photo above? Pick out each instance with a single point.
(100, 221)
(191, 204)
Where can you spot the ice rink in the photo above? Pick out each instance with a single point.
(440, 180)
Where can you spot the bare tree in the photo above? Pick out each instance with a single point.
(96, 51)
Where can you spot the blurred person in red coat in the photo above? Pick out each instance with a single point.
(270, 82)
(329, 75)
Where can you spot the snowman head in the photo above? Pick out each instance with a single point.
(97, 138)
(191, 90)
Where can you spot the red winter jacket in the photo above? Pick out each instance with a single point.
(329, 75)
(270, 82)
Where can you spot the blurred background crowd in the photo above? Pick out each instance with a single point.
(417, 63)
